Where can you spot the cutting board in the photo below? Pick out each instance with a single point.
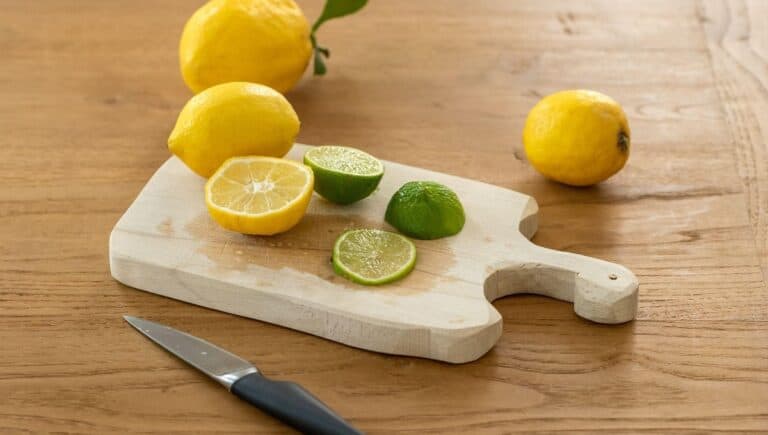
(166, 243)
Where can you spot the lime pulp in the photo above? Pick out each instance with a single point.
(373, 257)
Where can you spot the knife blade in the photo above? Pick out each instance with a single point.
(284, 400)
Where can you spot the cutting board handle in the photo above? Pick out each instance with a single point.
(601, 291)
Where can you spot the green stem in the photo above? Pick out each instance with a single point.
(332, 9)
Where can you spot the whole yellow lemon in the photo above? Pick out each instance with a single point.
(259, 41)
(230, 120)
(577, 137)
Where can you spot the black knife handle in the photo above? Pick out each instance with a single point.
(291, 404)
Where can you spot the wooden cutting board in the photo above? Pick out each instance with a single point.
(167, 244)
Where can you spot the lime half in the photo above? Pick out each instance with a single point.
(373, 257)
(343, 175)
(425, 210)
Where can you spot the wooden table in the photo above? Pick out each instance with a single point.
(90, 91)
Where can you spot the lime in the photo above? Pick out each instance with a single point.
(425, 210)
(373, 257)
(342, 174)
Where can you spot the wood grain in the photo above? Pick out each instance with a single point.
(90, 91)
(738, 46)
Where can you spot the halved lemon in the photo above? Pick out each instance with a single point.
(259, 195)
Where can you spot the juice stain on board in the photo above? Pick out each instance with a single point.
(307, 248)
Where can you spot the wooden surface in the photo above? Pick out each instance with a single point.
(166, 243)
(90, 91)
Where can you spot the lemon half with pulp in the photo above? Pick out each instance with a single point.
(259, 195)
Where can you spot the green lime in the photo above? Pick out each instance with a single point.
(373, 257)
(425, 210)
(343, 175)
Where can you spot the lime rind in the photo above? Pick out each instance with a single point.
(425, 210)
(373, 257)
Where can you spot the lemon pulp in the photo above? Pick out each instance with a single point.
(259, 195)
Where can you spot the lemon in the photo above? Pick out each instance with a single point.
(260, 41)
(259, 195)
(373, 257)
(230, 120)
(425, 210)
(342, 174)
(577, 137)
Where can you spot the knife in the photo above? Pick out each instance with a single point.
(286, 401)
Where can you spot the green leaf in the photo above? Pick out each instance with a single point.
(336, 9)
(332, 9)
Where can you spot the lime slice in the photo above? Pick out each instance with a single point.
(373, 257)
(343, 175)
(425, 210)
